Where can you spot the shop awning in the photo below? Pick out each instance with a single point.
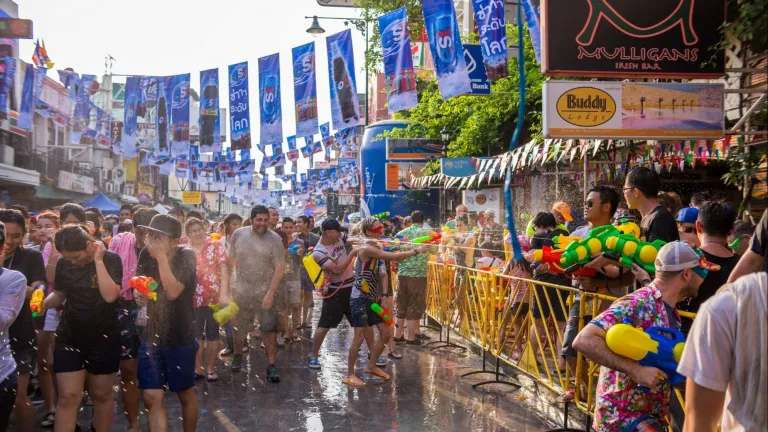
(51, 193)
(103, 203)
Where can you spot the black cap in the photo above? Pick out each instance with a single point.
(331, 225)
(164, 224)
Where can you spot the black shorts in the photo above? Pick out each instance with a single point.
(24, 360)
(541, 308)
(205, 326)
(335, 307)
(130, 340)
(362, 315)
(100, 360)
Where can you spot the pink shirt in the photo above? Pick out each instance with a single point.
(124, 244)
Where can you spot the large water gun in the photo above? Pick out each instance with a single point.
(36, 302)
(145, 285)
(381, 215)
(659, 347)
(562, 242)
(581, 252)
(224, 314)
(628, 227)
(391, 244)
(431, 238)
(552, 257)
(383, 313)
(629, 250)
(315, 272)
(294, 248)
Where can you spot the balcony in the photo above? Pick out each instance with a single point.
(16, 168)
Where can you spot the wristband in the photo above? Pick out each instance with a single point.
(645, 283)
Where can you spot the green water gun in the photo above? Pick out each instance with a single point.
(581, 252)
(629, 250)
(736, 245)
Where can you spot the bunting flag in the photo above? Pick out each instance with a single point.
(162, 116)
(446, 47)
(270, 112)
(345, 108)
(240, 118)
(179, 114)
(130, 119)
(398, 61)
(489, 15)
(305, 89)
(210, 123)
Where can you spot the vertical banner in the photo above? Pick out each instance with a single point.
(533, 19)
(398, 61)
(27, 98)
(210, 124)
(7, 79)
(270, 112)
(82, 114)
(132, 100)
(492, 29)
(239, 120)
(179, 114)
(446, 47)
(305, 89)
(40, 106)
(162, 117)
(345, 109)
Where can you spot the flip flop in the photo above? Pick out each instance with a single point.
(395, 356)
(353, 383)
(379, 373)
(211, 376)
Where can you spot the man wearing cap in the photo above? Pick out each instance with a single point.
(331, 255)
(621, 404)
(686, 225)
(493, 232)
(562, 212)
(167, 353)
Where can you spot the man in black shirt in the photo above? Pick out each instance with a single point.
(754, 259)
(641, 190)
(167, 353)
(28, 262)
(88, 336)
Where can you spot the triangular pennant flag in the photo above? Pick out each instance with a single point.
(556, 150)
(597, 147)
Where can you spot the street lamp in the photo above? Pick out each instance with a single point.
(315, 29)
(444, 136)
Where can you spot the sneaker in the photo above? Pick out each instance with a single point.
(280, 341)
(237, 363)
(399, 340)
(314, 363)
(422, 336)
(416, 342)
(272, 375)
(380, 362)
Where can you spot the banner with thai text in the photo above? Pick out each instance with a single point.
(305, 89)
(446, 47)
(162, 116)
(345, 109)
(132, 106)
(210, 123)
(398, 61)
(489, 15)
(179, 114)
(270, 109)
(240, 118)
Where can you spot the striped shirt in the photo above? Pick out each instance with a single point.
(327, 254)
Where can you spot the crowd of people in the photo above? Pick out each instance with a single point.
(93, 324)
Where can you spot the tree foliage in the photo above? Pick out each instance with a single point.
(748, 22)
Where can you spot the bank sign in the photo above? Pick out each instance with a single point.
(614, 110)
(619, 38)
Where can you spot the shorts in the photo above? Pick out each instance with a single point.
(98, 360)
(572, 329)
(541, 308)
(411, 297)
(25, 360)
(335, 307)
(292, 292)
(362, 315)
(172, 366)
(130, 340)
(250, 308)
(52, 319)
(522, 307)
(306, 283)
(205, 326)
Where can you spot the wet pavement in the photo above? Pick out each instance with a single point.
(425, 393)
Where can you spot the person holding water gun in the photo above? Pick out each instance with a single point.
(630, 395)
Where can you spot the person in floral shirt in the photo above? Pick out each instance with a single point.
(621, 405)
(212, 288)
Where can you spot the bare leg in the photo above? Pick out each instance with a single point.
(70, 395)
(25, 413)
(411, 330)
(130, 391)
(153, 400)
(307, 299)
(270, 345)
(317, 342)
(239, 338)
(376, 349)
(45, 366)
(295, 320)
(188, 401)
(100, 390)
(354, 347)
(212, 350)
(199, 356)
(384, 337)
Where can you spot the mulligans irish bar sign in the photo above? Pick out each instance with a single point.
(632, 38)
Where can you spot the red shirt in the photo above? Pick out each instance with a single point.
(208, 277)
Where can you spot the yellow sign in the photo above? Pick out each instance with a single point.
(191, 197)
(586, 106)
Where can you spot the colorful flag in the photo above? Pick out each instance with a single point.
(305, 89)
(446, 47)
(398, 61)
(210, 124)
(179, 114)
(345, 108)
(489, 15)
(40, 56)
(270, 113)
(240, 123)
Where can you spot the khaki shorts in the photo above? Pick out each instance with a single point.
(292, 293)
(250, 308)
(411, 297)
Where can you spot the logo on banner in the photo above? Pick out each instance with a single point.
(586, 107)
(268, 102)
(303, 68)
(180, 95)
(238, 75)
(393, 37)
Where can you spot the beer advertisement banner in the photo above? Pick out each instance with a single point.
(492, 29)
(270, 111)
(179, 114)
(115, 135)
(240, 117)
(7, 79)
(162, 117)
(82, 113)
(446, 47)
(345, 109)
(532, 8)
(27, 99)
(398, 61)
(617, 110)
(130, 117)
(305, 89)
(210, 122)
(662, 39)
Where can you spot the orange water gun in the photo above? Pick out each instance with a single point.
(551, 257)
(145, 285)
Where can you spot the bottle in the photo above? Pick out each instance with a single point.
(343, 84)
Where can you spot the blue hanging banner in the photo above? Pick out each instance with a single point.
(270, 111)
(210, 123)
(7, 79)
(162, 117)
(179, 114)
(345, 109)
(240, 117)
(27, 98)
(40, 106)
(446, 47)
(305, 89)
(492, 29)
(132, 102)
(533, 19)
(398, 61)
(82, 113)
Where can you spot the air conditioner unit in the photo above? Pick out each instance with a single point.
(118, 175)
(110, 186)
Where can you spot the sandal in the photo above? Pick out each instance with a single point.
(394, 355)
(199, 376)
(379, 373)
(212, 377)
(353, 382)
(48, 420)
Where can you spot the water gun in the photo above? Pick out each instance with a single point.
(36, 302)
(294, 248)
(562, 242)
(628, 227)
(316, 274)
(659, 347)
(552, 257)
(381, 215)
(224, 314)
(383, 313)
(145, 285)
(736, 244)
(431, 238)
(580, 252)
(216, 236)
(392, 244)
(632, 250)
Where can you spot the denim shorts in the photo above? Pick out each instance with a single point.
(362, 315)
(173, 366)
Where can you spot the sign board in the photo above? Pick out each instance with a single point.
(14, 28)
(473, 56)
(483, 199)
(338, 3)
(399, 174)
(75, 182)
(459, 167)
(413, 149)
(191, 197)
(618, 38)
(615, 110)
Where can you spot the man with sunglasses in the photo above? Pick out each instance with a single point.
(641, 190)
(686, 225)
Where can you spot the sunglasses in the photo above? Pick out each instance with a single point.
(378, 229)
(687, 230)
(589, 203)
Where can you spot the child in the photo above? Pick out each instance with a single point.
(487, 261)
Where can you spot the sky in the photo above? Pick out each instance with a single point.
(168, 37)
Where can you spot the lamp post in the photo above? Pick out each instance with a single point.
(316, 30)
(444, 136)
